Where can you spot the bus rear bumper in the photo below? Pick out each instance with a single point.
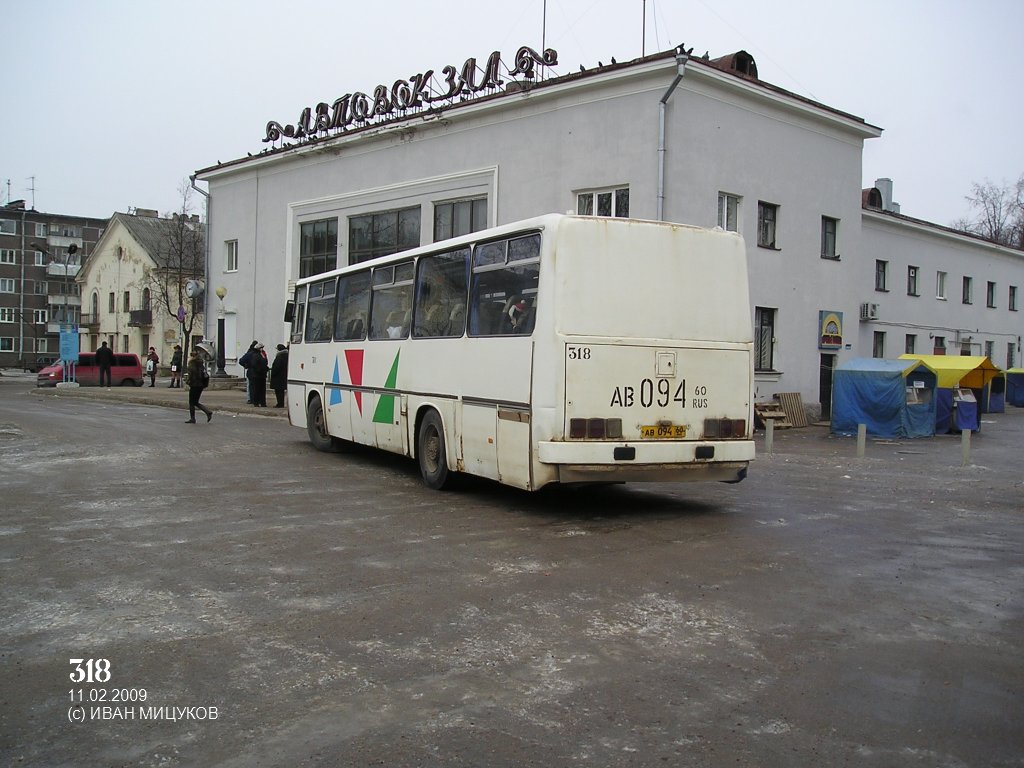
(663, 461)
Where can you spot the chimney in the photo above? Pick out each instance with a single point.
(884, 186)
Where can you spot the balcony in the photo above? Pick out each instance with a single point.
(140, 318)
(56, 269)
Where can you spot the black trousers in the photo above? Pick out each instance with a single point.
(194, 393)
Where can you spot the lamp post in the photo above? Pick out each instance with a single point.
(221, 292)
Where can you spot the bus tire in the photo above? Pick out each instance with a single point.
(316, 426)
(430, 452)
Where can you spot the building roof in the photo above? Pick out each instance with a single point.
(740, 65)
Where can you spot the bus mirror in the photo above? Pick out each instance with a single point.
(289, 311)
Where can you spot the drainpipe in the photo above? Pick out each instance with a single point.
(682, 56)
(206, 237)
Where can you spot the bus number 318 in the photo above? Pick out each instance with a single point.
(659, 393)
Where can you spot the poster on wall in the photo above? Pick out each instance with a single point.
(830, 329)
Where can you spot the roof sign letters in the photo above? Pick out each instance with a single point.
(426, 90)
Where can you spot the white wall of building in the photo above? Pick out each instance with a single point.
(531, 152)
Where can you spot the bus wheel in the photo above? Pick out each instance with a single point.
(316, 426)
(431, 453)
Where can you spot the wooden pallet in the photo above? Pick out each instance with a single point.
(793, 405)
(764, 412)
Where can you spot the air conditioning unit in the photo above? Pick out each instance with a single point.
(868, 311)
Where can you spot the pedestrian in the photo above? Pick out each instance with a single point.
(256, 373)
(198, 380)
(152, 361)
(244, 361)
(176, 367)
(279, 374)
(105, 360)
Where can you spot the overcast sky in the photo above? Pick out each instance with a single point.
(113, 103)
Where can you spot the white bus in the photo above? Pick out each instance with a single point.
(566, 349)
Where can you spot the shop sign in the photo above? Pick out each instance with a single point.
(426, 90)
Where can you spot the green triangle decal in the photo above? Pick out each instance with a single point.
(385, 410)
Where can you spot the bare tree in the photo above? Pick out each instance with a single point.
(998, 212)
(181, 258)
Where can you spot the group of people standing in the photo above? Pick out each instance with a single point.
(197, 377)
(256, 365)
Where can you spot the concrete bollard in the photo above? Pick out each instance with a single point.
(769, 435)
(965, 447)
(862, 438)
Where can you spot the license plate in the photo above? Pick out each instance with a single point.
(663, 432)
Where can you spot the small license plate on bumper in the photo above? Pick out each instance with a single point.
(663, 432)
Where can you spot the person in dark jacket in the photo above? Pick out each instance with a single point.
(256, 373)
(197, 381)
(152, 361)
(244, 361)
(176, 367)
(279, 374)
(105, 360)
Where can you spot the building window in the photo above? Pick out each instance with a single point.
(767, 222)
(764, 339)
(910, 346)
(912, 281)
(110, 302)
(881, 275)
(6, 314)
(6, 285)
(878, 344)
(939, 345)
(383, 233)
(829, 232)
(459, 218)
(1011, 299)
(231, 255)
(968, 289)
(728, 212)
(318, 247)
(8, 256)
(990, 295)
(940, 285)
(608, 202)
(1011, 349)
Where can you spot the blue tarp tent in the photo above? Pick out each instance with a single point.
(893, 398)
(1015, 387)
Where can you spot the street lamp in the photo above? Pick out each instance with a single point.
(221, 292)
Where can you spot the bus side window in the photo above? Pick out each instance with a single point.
(391, 303)
(298, 314)
(353, 306)
(441, 283)
(320, 311)
(504, 291)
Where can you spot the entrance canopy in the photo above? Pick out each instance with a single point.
(892, 398)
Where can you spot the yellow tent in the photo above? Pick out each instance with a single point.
(972, 371)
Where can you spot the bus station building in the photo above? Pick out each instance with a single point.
(836, 271)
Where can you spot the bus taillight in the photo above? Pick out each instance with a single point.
(725, 428)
